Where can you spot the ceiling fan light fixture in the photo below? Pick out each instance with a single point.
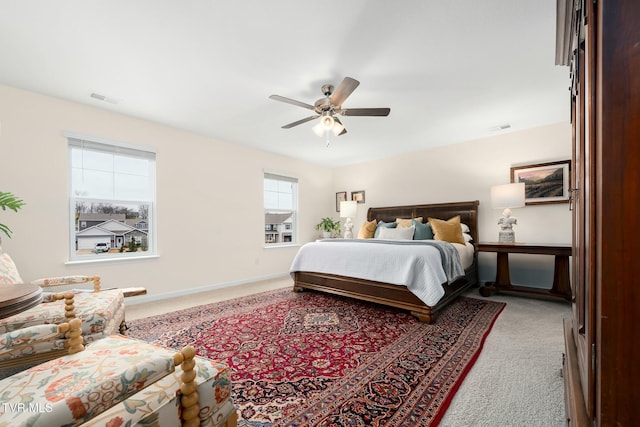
(330, 107)
(318, 129)
(327, 122)
(337, 128)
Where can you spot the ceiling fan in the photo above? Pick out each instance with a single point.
(330, 106)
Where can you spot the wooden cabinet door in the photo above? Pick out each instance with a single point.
(583, 204)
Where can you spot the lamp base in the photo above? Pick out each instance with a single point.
(348, 229)
(506, 236)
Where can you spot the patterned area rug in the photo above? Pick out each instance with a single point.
(311, 359)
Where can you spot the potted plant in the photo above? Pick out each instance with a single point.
(8, 200)
(328, 226)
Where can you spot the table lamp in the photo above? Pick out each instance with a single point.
(348, 210)
(505, 197)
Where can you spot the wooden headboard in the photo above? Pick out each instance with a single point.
(468, 212)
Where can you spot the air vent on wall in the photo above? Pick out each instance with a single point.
(104, 98)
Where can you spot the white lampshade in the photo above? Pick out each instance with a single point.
(348, 209)
(507, 196)
(318, 129)
(327, 122)
(337, 128)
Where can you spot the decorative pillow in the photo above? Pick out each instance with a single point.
(368, 229)
(382, 225)
(448, 231)
(407, 222)
(400, 233)
(423, 231)
(8, 271)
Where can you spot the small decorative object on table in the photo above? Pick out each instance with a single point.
(507, 196)
(348, 209)
(328, 226)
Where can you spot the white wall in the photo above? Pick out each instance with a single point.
(467, 171)
(209, 201)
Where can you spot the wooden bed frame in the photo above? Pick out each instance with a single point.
(394, 295)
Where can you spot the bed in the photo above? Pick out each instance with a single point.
(399, 295)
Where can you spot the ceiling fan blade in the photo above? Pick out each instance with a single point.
(299, 122)
(292, 101)
(344, 129)
(365, 111)
(342, 92)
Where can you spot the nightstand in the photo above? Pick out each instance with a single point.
(561, 287)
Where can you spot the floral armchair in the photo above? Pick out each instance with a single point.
(33, 336)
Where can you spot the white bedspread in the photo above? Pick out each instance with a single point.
(416, 266)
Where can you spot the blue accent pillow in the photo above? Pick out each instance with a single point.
(423, 231)
(384, 224)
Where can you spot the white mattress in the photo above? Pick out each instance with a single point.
(466, 254)
(412, 264)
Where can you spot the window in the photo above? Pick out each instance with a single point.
(112, 198)
(280, 209)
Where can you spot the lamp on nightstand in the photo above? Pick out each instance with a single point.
(505, 197)
(348, 210)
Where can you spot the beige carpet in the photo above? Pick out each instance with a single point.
(515, 382)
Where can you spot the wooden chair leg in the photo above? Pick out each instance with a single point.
(232, 421)
(189, 389)
(74, 336)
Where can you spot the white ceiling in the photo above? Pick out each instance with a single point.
(450, 70)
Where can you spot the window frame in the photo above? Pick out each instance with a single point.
(148, 201)
(293, 230)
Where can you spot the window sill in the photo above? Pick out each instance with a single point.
(283, 245)
(96, 260)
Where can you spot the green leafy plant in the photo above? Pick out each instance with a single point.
(328, 225)
(9, 201)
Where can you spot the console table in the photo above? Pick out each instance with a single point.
(561, 287)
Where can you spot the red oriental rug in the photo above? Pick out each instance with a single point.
(312, 359)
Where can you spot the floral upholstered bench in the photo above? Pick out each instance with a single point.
(120, 381)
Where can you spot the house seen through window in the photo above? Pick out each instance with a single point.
(112, 198)
(280, 209)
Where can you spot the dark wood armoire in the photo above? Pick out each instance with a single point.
(600, 41)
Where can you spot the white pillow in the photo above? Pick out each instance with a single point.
(404, 233)
(465, 228)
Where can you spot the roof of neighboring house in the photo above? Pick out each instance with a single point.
(101, 217)
(94, 231)
(111, 227)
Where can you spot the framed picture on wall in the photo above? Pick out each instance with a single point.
(544, 182)
(341, 196)
(358, 196)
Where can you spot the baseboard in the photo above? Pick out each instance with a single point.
(142, 299)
